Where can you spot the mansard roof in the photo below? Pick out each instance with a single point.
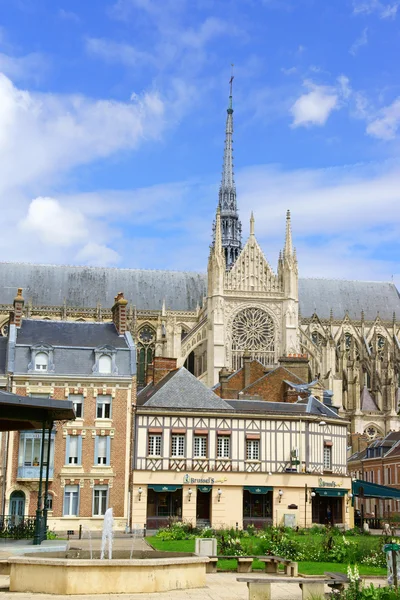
(69, 333)
(85, 287)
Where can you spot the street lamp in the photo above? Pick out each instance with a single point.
(190, 492)
(219, 492)
(140, 492)
(280, 494)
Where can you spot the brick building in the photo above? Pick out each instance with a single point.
(377, 462)
(94, 366)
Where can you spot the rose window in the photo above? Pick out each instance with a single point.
(371, 432)
(253, 330)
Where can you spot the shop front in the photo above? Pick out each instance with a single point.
(203, 508)
(257, 506)
(328, 506)
(164, 502)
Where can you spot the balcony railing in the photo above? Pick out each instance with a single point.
(33, 472)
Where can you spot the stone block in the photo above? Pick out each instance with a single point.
(259, 591)
(206, 547)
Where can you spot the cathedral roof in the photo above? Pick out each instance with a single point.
(85, 287)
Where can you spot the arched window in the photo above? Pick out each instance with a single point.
(105, 364)
(372, 432)
(41, 361)
(253, 330)
(145, 352)
(17, 506)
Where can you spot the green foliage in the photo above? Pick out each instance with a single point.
(230, 546)
(51, 535)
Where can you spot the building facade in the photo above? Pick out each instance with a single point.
(232, 463)
(347, 330)
(93, 365)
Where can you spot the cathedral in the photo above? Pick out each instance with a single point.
(347, 330)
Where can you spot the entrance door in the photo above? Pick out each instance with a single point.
(203, 512)
(17, 507)
(326, 510)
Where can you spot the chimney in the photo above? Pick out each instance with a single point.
(297, 364)
(359, 442)
(161, 367)
(223, 380)
(18, 308)
(119, 313)
(246, 367)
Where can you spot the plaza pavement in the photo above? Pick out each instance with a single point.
(220, 586)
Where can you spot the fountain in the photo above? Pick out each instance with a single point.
(77, 571)
(89, 535)
(107, 536)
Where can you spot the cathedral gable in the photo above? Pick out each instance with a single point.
(251, 272)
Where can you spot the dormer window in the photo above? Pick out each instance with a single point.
(41, 361)
(105, 361)
(105, 364)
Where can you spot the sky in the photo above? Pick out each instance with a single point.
(112, 119)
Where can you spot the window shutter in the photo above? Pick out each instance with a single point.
(67, 451)
(80, 450)
(96, 452)
(108, 450)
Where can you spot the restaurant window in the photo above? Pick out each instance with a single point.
(200, 446)
(164, 504)
(154, 444)
(253, 449)
(178, 445)
(327, 458)
(223, 446)
(257, 506)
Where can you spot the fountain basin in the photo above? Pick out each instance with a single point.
(72, 572)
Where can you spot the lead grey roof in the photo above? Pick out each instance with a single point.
(373, 297)
(181, 389)
(85, 287)
(69, 333)
(311, 406)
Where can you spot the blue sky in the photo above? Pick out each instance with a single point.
(112, 116)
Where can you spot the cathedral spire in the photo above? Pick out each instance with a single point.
(288, 249)
(230, 224)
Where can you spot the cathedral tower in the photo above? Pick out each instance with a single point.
(231, 227)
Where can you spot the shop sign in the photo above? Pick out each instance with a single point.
(202, 480)
(330, 484)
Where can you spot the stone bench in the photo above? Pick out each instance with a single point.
(337, 581)
(260, 589)
(244, 563)
(4, 567)
(271, 565)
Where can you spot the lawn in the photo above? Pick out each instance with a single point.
(306, 568)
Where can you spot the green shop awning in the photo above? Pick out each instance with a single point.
(165, 488)
(364, 489)
(331, 492)
(204, 488)
(257, 489)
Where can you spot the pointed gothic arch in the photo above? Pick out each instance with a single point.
(146, 338)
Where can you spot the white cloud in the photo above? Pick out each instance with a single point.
(384, 10)
(98, 255)
(112, 52)
(52, 223)
(314, 107)
(69, 15)
(386, 124)
(359, 42)
(30, 67)
(51, 133)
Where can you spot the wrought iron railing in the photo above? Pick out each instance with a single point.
(16, 527)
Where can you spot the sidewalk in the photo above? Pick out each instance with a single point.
(222, 586)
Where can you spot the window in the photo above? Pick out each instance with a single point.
(49, 502)
(253, 449)
(200, 446)
(41, 361)
(71, 497)
(77, 401)
(102, 450)
(100, 500)
(30, 447)
(155, 445)
(327, 458)
(105, 364)
(73, 450)
(103, 409)
(178, 445)
(223, 446)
